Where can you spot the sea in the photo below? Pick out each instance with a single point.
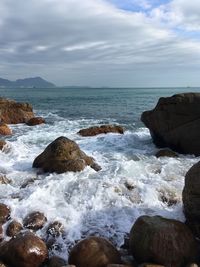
(132, 182)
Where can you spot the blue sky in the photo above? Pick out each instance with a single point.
(101, 42)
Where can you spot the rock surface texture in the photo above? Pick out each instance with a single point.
(103, 129)
(35, 121)
(4, 129)
(12, 112)
(162, 241)
(175, 123)
(34, 220)
(63, 155)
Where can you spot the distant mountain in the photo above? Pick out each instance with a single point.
(36, 82)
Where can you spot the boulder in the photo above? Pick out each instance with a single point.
(94, 252)
(162, 241)
(4, 213)
(35, 121)
(175, 123)
(13, 228)
(12, 112)
(166, 153)
(2, 144)
(63, 155)
(55, 229)
(25, 250)
(191, 198)
(34, 220)
(103, 129)
(4, 129)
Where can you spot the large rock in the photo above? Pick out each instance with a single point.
(35, 121)
(162, 241)
(63, 155)
(191, 198)
(94, 252)
(25, 250)
(175, 123)
(103, 129)
(12, 112)
(34, 220)
(14, 228)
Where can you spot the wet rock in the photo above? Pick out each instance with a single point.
(191, 198)
(55, 229)
(25, 250)
(13, 228)
(28, 182)
(34, 220)
(1, 232)
(169, 198)
(2, 144)
(62, 155)
(35, 121)
(4, 129)
(2, 264)
(56, 262)
(4, 213)
(12, 112)
(103, 129)
(162, 241)
(94, 252)
(175, 123)
(4, 180)
(129, 186)
(166, 153)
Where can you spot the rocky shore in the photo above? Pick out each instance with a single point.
(152, 240)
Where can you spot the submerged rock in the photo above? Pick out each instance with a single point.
(25, 250)
(94, 252)
(4, 180)
(63, 155)
(12, 112)
(55, 229)
(4, 129)
(13, 228)
(2, 144)
(103, 129)
(166, 153)
(35, 121)
(162, 241)
(175, 123)
(34, 220)
(56, 262)
(4, 213)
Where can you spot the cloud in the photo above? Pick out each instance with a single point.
(97, 42)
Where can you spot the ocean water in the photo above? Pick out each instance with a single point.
(132, 182)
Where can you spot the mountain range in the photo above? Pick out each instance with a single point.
(36, 82)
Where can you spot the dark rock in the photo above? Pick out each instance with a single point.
(13, 228)
(56, 262)
(4, 213)
(2, 144)
(55, 229)
(1, 232)
(35, 121)
(28, 182)
(62, 155)
(12, 112)
(4, 129)
(34, 220)
(103, 129)
(94, 252)
(166, 153)
(191, 198)
(175, 123)
(162, 241)
(150, 265)
(25, 250)
(120, 265)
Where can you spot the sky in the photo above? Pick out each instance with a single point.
(115, 43)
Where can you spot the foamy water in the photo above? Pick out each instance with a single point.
(132, 181)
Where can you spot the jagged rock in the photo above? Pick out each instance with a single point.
(56, 262)
(35, 121)
(94, 252)
(166, 153)
(25, 250)
(162, 241)
(103, 129)
(4, 213)
(63, 155)
(34, 220)
(55, 229)
(175, 123)
(12, 112)
(14, 228)
(2, 144)
(4, 129)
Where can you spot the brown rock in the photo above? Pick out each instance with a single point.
(162, 241)
(35, 121)
(56, 262)
(55, 229)
(4, 180)
(175, 123)
(62, 155)
(4, 129)
(103, 129)
(12, 112)
(166, 153)
(25, 250)
(13, 228)
(34, 220)
(2, 144)
(4, 213)
(1, 232)
(94, 252)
